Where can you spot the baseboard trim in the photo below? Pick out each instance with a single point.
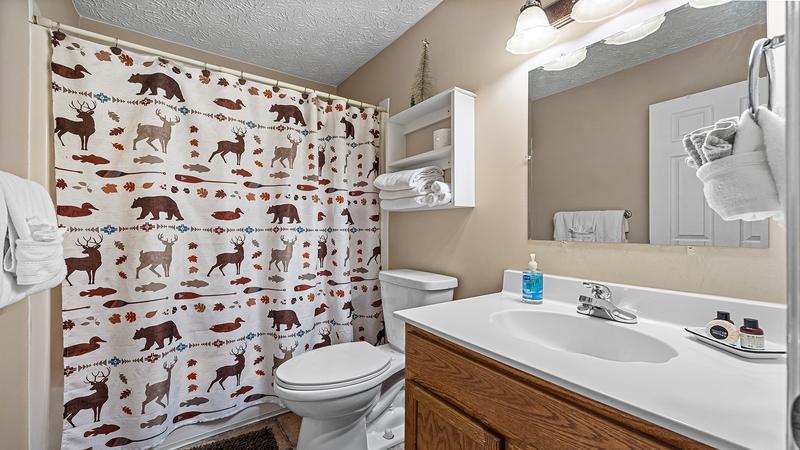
(220, 430)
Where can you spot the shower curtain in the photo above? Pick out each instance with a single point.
(215, 228)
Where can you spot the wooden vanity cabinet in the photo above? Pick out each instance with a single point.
(458, 399)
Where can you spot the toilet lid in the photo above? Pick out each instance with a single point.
(333, 366)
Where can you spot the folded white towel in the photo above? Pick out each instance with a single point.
(31, 244)
(400, 204)
(774, 128)
(422, 189)
(740, 187)
(406, 179)
(440, 187)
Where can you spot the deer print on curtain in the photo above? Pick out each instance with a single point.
(216, 228)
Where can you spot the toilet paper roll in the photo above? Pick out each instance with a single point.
(441, 138)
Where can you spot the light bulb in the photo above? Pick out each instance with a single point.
(566, 61)
(533, 31)
(586, 11)
(637, 32)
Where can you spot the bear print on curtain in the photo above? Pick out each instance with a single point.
(215, 228)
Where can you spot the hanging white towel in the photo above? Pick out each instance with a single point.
(33, 258)
(740, 187)
(773, 127)
(406, 179)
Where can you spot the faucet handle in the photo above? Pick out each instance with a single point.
(598, 290)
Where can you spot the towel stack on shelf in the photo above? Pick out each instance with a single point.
(413, 189)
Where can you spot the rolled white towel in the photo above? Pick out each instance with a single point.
(440, 187)
(405, 203)
(430, 200)
(406, 179)
(444, 198)
(423, 189)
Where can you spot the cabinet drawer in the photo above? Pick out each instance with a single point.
(525, 410)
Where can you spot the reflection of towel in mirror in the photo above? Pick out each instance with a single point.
(720, 138)
(590, 226)
(710, 143)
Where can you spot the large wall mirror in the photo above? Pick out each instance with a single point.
(606, 125)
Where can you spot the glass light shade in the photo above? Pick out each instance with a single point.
(566, 61)
(637, 32)
(706, 3)
(586, 11)
(533, 32)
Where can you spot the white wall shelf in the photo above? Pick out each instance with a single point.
(457, 105)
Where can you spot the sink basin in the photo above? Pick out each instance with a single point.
(589, 336)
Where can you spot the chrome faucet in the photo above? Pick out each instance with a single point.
(601, 305)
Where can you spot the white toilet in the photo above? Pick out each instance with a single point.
(351, 395)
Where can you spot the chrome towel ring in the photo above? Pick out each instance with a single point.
(762, 47)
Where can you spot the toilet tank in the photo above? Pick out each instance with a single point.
(403, 289)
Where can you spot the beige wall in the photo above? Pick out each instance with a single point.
(13, 158)
(467, 49)
(592, 141)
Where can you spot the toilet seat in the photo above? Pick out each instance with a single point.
(333, 367)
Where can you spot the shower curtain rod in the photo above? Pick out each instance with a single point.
(53, 25)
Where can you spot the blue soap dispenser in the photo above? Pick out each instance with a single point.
(532, 282)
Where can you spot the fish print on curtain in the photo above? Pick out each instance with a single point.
(215, 228)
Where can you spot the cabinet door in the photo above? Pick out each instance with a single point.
(432, 424)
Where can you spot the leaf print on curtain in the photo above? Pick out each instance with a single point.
(216, 228)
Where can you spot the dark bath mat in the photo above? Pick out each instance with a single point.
(262, 439)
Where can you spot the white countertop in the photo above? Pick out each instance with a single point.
(703, 393)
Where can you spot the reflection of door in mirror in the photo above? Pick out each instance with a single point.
(679, 214)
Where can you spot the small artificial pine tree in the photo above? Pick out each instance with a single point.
(423, 86)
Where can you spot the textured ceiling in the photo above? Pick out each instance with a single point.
(320, 40)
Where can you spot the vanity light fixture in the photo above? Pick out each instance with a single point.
(706, 3)
(533, 31)
(586, 11)
(637, 32)
(566, 61)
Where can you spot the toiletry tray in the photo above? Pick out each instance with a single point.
(771, 350)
